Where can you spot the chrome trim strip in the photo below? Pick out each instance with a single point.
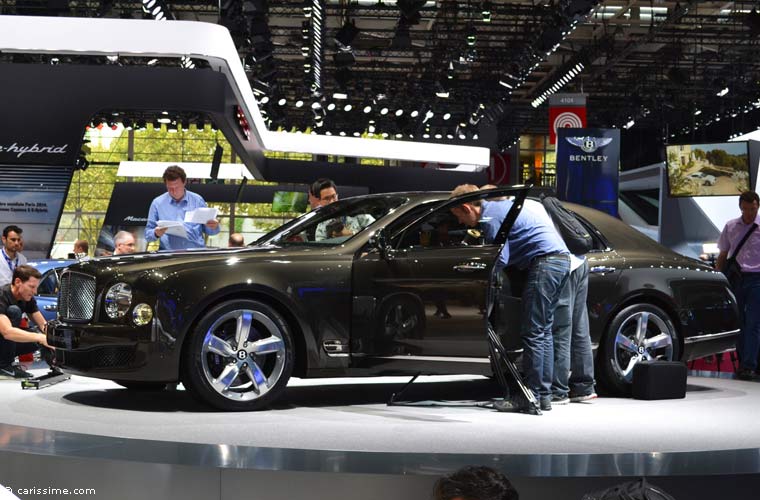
(710, 336)
(446, 359)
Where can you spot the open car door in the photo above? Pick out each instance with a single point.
(423, 299)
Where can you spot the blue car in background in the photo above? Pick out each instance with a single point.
(47, 293)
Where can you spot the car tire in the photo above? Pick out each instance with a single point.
(136, 385)
(239, 357)
(627, 343)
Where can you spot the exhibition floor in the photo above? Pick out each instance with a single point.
(351, 415)
(343, 427)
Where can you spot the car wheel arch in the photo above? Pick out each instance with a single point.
(300, 367)
(654, 298)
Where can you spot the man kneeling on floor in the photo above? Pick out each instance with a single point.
(17, 298)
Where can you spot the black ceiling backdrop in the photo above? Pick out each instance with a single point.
(658, 64)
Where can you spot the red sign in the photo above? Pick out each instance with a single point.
(565, 117)
(500, 168)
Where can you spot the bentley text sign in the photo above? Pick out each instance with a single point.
(587, 167)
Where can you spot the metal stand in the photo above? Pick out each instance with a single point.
(503, 366)
(393, 401)
(50, 378)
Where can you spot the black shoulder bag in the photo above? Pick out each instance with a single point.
(731, 268)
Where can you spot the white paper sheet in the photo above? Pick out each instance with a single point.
(175, 228)
(201, 215)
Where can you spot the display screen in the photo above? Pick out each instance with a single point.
(720, 169)
(289, 201)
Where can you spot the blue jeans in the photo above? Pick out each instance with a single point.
(546, 277)
(9, 349)
(748, 299)
(573, 356)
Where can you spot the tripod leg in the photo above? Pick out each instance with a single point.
(396, 395)
(501, 359)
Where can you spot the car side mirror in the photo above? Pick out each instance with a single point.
(381, 241)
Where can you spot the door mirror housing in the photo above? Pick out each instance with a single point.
(381, 241)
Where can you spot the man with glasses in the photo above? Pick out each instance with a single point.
(349, 224)
(124, 242)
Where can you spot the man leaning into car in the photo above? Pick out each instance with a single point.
(748, 290)
(17, 298)
(533, 245)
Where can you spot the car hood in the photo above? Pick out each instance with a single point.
(151, 261)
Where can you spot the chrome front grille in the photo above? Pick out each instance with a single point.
(76, 299)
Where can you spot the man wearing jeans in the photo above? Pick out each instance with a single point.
(573, 357)
(17, 298)
(748, 291)
(533, 245)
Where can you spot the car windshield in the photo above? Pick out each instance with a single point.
(335, 223)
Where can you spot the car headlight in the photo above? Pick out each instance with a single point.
(142, 314)
(118, 300)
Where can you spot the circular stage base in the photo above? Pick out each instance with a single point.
(343, 427)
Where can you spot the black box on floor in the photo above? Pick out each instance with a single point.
(659, 380)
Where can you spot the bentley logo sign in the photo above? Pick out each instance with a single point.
(589, 145)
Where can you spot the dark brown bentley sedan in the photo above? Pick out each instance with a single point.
(379, 284)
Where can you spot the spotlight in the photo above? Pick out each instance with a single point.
(299, 103)
(347, 34)
(399, 112)
(414, 114)
(485, 12)
(347, 107)
(367, 108)
(472, 36)
(331, 106)
(447, 116)
(282, 101)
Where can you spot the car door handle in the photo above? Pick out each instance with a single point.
(469, 267)
(602, 269)
(50, 307)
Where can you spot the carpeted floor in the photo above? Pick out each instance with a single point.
(350, 414)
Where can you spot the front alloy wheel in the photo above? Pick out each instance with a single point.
(641, 332)
(240, 356)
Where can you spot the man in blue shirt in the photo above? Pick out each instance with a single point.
(172, 206)
(535, 246)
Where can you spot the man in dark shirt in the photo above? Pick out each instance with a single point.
(17, 298)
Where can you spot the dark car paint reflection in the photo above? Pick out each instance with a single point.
(407, 294)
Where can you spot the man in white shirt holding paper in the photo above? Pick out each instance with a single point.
(173, 216)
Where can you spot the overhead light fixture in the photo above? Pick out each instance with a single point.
(348, 107)
(630, 124)
(414, 114)
(485, 12)
(472, 36)
(367, 109)
(282, 101)
(722, 92)
(299, 103)
(331, 106)
(347, 33)
(340, 95)
(399, 112)
(440, 91)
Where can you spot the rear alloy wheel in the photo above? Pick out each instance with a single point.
(641, 332)
(239, 357)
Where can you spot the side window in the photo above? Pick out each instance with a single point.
(438, 230)
(48, 284)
